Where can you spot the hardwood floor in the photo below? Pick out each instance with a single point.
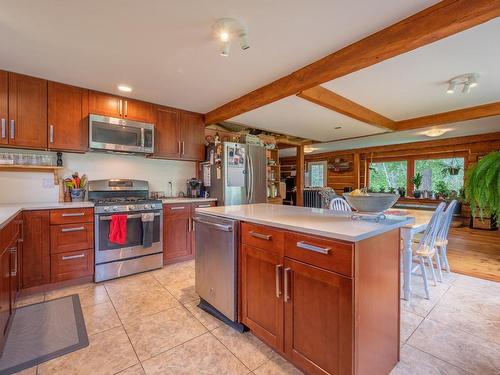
(475, 252)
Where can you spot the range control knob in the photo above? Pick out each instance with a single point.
(115, 208)
(106, 209)
(147, 206)
(131, 207)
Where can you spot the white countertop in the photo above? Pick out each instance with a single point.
(187, 200)
(9, 211)
(314, 221)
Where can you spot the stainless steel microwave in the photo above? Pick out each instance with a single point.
(116, 134)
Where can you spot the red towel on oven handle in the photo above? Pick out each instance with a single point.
(118, 229)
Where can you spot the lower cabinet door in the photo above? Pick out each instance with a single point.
(4, 293)
(262, 294)
(177, 237)
(35, 257)
(72, 265)
(318, 319)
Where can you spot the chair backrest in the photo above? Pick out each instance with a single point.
(430, 234)
(339, 204)
(446, 222)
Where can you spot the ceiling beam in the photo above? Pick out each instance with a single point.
(464, 114)
(439, 21)
(328, 99)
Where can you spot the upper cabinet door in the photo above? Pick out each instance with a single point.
(137, 110)
(105, 104)
(68, 118)
(167, 136)
(27, 111)
(4, 107)
(192, 136)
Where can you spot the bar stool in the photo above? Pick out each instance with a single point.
(339, 204)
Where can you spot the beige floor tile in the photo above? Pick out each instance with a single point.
(134, 370)
(209, 321)
(409, 323)
(277, 365)
(202, 355)
(477, 285)
(416, 362)
(418, 304)
(461, 349)
(175, 273)
(90, 294)
(160, 332)
(100, 317)
(183, 291)
(108, 353)
(29, 300)
(471, 311)
(245, 346)
(143, 304)
(135, 284)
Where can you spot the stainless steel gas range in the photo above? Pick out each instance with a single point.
(130, 198)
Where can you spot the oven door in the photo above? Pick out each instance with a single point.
(114, 134)
(106, 251)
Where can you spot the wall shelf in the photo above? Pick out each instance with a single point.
(33, 168)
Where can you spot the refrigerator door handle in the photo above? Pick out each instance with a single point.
(250, 178)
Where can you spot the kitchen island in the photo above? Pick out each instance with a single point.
(318, 287)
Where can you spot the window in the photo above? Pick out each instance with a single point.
(442, 176)
(317, 172)
(388, 176)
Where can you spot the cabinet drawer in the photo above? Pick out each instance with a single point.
(71, 237)
(177, 209)
(72, 265)
(331, 255)
(71, 215)
(263, 237)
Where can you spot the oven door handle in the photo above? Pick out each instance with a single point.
(133, 216)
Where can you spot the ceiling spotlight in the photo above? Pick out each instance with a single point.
(467, 80)
(434, 132)
(308, 149)
(227, 29)
(124, 88)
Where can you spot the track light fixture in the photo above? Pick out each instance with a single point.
(467, 80)
(228, 29)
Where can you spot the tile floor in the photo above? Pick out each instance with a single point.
(150, 324)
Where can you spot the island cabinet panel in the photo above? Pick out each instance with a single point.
(262, 294)
(263, 237)
(177, 236)
(27, 111)
(67, 118)
(4, 107)
(35, 258)
(318, 319)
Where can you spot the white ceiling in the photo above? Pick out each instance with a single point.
(165, 50)
(459, 129)
(301, 118)
(414, 84)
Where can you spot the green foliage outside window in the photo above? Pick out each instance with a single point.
(388, 176)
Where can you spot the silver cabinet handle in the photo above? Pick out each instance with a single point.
(183, 147)
(225, 228)
(68, 257)
(179, 146)
(12, 129)
(318, 249)
(14, 251)
(51, 133)
(126, 108)
(73, 214)
(278, 278)
(120, 107)
(77, 229)
(204, 205)
(177, 208)
(261, 236)
(286, 287)
(4, 130)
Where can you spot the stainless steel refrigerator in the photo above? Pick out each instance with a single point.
(239, 176)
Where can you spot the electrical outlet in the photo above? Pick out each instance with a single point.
(48, 183)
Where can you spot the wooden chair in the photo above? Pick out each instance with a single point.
(339, 204)
(425, 250)
(442, 236)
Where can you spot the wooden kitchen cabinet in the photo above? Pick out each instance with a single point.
(71, 237)
(35, 258)
(177, 226)
(5, 308)
(27, 125)
(318, 309)
(192, 136)
(68, 111)
(4, 107)
(120, 107)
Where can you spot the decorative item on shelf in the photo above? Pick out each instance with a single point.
(417, 182)
(339, 165)
(76, 186)
(59, 159)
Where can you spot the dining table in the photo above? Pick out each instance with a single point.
(421, 220)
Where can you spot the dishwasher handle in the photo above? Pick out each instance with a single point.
(225, 228)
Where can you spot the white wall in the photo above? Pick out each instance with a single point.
(39, 187)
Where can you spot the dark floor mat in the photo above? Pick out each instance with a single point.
(43, 331)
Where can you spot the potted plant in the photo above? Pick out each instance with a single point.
(401, 191)
(417, 182)
(382, 189)
(441, 190)
(452, 169)
(482, 187)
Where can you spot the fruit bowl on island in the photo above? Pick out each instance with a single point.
(370, 203)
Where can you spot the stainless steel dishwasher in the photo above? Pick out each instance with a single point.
(216, 267)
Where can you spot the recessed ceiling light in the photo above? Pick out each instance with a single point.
(124, 88)
(434, 132)
(308, 149)
(224, 36)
